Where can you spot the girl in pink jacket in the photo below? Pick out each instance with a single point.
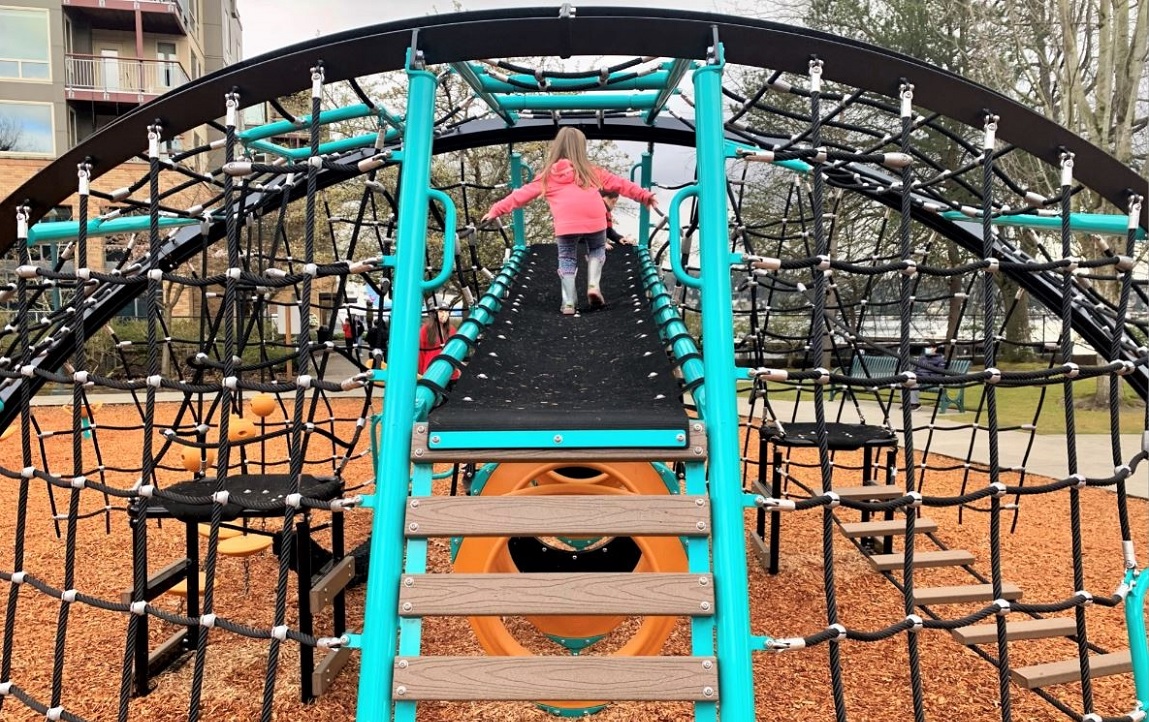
(571, 185)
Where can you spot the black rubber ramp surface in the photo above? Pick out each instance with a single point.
(536, 369)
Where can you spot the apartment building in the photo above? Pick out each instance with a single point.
(71, 67)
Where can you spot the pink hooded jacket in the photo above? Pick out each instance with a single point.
(575, 209)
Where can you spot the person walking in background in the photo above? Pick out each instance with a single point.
(433, 336)
(571, 184)
(610, 199)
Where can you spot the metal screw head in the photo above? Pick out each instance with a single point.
(702, 581)
(680, 437)
(435, 439)
(418, 452)
(558, 438)
(707, 664)
(414, 526)
(696, 427)
(409, 581)
(698, 451)
(706, 691)
(407, 606)
(700, 502)
(420, 429)
(414, 503)
(403, 664)
(704, 606)
(401, 690)
(701, 526)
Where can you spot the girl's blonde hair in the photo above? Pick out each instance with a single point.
(570, 143)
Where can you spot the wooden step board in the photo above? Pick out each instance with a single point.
(1069, 670)
(620, 679)
(947, 558)
(423, 595)
(589, 515)
(1016, 631)
(927, 596)
(883, 527)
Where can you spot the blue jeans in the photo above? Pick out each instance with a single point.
(568, 250)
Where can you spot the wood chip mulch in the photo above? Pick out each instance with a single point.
(958, 685)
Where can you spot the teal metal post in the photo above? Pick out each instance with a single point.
(1135, 626)
(735, 675)
(518, 220)
(393, 471)
(644, 179)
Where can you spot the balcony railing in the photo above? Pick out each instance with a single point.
(97, 77)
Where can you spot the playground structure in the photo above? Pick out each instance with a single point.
(583, 473)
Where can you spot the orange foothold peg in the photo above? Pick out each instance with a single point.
(262, 405)
(240, 429)
(194, 461)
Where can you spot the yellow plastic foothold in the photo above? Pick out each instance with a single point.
(244, 545)
(193, 461)
(262, 405)
(225, 532)
(181, 587)
(240, 429)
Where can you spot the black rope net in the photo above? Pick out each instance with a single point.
(267, 241)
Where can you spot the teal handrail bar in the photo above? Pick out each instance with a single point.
(471, 78)
(1099, 223)
(326, 117)
(450, 239)
(1138, 582)
(677, 69)
(675, 252)
(379, 639)
(735, 671)
(578, 101)
(617, 81)
(670, 325)
(518, 218)
(645, 180)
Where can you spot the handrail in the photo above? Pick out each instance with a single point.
(675, 229)
(450, 240)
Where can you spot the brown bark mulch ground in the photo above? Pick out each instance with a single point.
(794, 685)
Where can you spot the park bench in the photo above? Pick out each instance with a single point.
(878, 366)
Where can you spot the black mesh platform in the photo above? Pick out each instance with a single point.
(536, 369)
(839, 437)
(262, 487)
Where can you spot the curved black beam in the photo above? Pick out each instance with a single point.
(595, 31)
(186, 242)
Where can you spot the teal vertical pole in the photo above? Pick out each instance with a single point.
(518, 220)
(380, 621)
(1135, 626)
(735, 678)
(645, 181)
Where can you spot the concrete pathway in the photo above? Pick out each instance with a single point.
(1047, 457)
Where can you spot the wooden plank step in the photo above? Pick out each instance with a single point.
(947, 558)
(626, 593)
(1051, 673)
(1014, 631)
(927, 596)
(580, 515)
(621, 679)
(883, 527)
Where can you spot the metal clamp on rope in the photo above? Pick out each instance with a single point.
(909, 268)
(916, 499)
(998, 489)
(782, 645)
(769, 503)
(840, 629)
(1003, 607)
(1086, 597)
(771, 374)
(916, 621)
(833, 501)
(993, 375)
(823, 376)
(1080, 482)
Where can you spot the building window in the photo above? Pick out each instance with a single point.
(24, 46)
(26, 128)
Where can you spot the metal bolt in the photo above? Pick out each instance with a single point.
(435, 439)
(706, 691)
(414, 503)
(707, 664)
(700, 502)
(680, 437)
(401, 690)
(701, 526)
(407, 606)
(421, 429)
(705, 606)
(697, 427)
(418, 452)
(409, 582)
(403, 664)
(702, 581)
(698, 451)
(414, 526)
(558, 438)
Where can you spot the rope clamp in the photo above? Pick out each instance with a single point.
(1086, 597)
(916, 621)
(79, 482)
(231, 382)
(841, 630)
(18, 578)
(138, 608)
(155, 381)
(992, 375)
(909, 379)
(279, 632)
(303, 382)
(823, 376)
(207, 620)
(220, 497)
(1080, 481)
(915, 498)
(909, 268)
(833, 501)
(772, 504)
(1003, 607)
(54, 714)
(907, 95)
(1072, 370)
(998, 489)
(782, 645)
(155, 274)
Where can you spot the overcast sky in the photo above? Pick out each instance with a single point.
(271, 24)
